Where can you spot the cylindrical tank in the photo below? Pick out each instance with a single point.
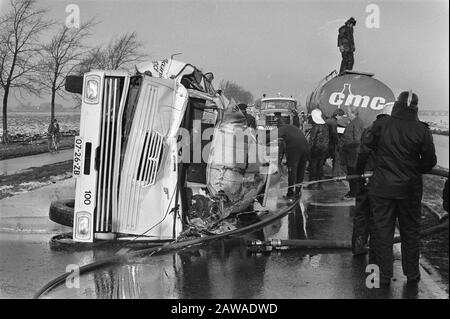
(351, 89)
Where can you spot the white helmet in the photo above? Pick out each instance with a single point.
(316, 115)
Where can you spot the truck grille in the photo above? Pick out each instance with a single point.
(106, 153)
(150, 159)
(142, 159)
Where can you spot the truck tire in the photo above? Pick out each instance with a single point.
(61, 212)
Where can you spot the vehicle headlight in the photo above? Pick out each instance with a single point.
(83, 225)
(91, 90)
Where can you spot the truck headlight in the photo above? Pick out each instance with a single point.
(91, 90)
(82, 226)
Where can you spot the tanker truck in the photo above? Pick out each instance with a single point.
(351, 89)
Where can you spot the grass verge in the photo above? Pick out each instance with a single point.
(13, 150)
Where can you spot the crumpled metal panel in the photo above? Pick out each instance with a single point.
(234, 175)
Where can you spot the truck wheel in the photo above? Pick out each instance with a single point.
(61, 212)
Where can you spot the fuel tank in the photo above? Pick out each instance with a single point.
(352, 88)
(235, 174)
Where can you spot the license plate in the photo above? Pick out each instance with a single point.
(77, 155)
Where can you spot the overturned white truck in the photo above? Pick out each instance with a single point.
(130, 180)
(352, 88)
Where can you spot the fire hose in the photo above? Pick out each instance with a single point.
(287, 244)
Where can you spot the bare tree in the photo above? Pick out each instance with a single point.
(60, 57)
(121, 53)
(234, 91)
(20, 28)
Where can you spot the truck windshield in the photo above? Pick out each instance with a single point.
(277, 104)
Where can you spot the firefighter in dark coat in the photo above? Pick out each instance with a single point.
(333, 146)
(349, 148)
(362, 218)
(346, 45)
(296, 149)
(319, 143)
(404, 150)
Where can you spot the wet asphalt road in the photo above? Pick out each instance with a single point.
(224, 269)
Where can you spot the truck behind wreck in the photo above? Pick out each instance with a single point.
(270, 106)
(129, 177)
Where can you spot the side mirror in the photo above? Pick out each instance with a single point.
(74, 84)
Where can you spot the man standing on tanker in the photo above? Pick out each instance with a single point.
(403, 150)
(346, 45)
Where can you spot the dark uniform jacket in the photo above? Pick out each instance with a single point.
(294, 139)
(296, 120)
(251, 122)
(404, 150)
(366, 158)
(333, 138)
(351, 141)
(319, 140)
(345, 38)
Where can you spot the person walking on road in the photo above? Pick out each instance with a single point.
(346, 45)
(319, 143)
(296, 149)
(404, 150)
(351, 141)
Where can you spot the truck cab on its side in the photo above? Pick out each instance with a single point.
(129, 180)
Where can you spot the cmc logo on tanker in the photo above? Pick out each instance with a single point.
(347, 98)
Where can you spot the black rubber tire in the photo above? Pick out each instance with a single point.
(61, 212)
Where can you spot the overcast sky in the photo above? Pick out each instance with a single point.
(285, 46)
